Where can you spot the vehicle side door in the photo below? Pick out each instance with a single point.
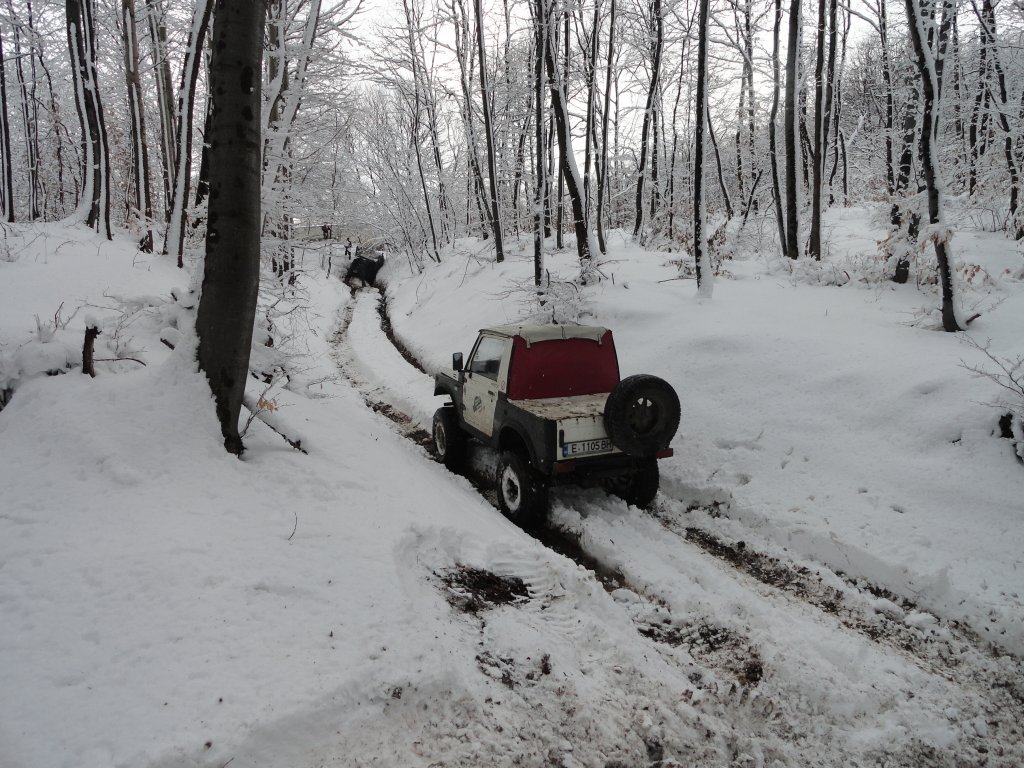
(485, 372)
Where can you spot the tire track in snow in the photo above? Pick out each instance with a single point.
(702, 639)
(995, 683)
(946, 648)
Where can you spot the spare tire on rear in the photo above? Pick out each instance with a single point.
(642, 415)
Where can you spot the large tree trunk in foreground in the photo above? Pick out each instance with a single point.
(231, 276)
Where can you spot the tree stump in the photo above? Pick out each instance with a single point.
(91, 332)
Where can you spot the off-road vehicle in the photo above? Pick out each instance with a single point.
(549, 399)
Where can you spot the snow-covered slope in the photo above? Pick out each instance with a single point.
(836, 429)
(164, 604)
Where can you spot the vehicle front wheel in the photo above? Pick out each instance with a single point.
(638, 487)
(449, 439)
(522, 492)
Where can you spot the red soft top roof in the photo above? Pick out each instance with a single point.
(562, 366)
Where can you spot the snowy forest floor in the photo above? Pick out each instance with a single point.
(831, 575)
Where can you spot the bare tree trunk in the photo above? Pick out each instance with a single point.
(705, 275)
(165, 97)
(792, 191)
(573, 182)
(464, 56)
(492, 163)
(424, 96)
(773, 151)
(836, 82)
(748, 65)
(822, 113)
(174, 241)
(675, 143)
(657, 44)
(6, 165)
(137, 119)
(231, 273)
(541, 181)
(654, 201)
(59, 131)
(890, 106)
(29, 113)
(82, 44)
(699, 164)
(987, 17)
(602, 176)
(929, 161)
(979, 115)
(591, 72)
(520, 163)
(814, 235)
(560, 196)
(203, 182)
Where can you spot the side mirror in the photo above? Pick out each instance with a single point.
(457, 362)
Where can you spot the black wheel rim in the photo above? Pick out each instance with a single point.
(644, 415)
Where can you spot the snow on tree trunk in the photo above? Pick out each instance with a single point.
(657, 43)
(603, 175)
(574, 184)
(165, 96)
(6, 172)
(96, 178)
(492, 162)
(938, 233)
(29, 115)
(136, 116)
(174, 241)
(772, 121)
(285, 100)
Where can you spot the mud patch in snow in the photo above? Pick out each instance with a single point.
(473, 590)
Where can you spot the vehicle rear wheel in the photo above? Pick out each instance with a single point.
(522, 492)
(449, 439)
(638, 487)
(641, 415)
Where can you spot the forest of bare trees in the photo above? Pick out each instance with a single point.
(682, 123)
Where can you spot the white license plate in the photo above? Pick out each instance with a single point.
(586, 447)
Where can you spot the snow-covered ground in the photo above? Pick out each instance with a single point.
(164, 604)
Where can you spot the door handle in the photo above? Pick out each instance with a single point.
(489, 392)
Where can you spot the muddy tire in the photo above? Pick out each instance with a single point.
(449, 439)
(642, 415)
(522, 492)
(638, 487)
